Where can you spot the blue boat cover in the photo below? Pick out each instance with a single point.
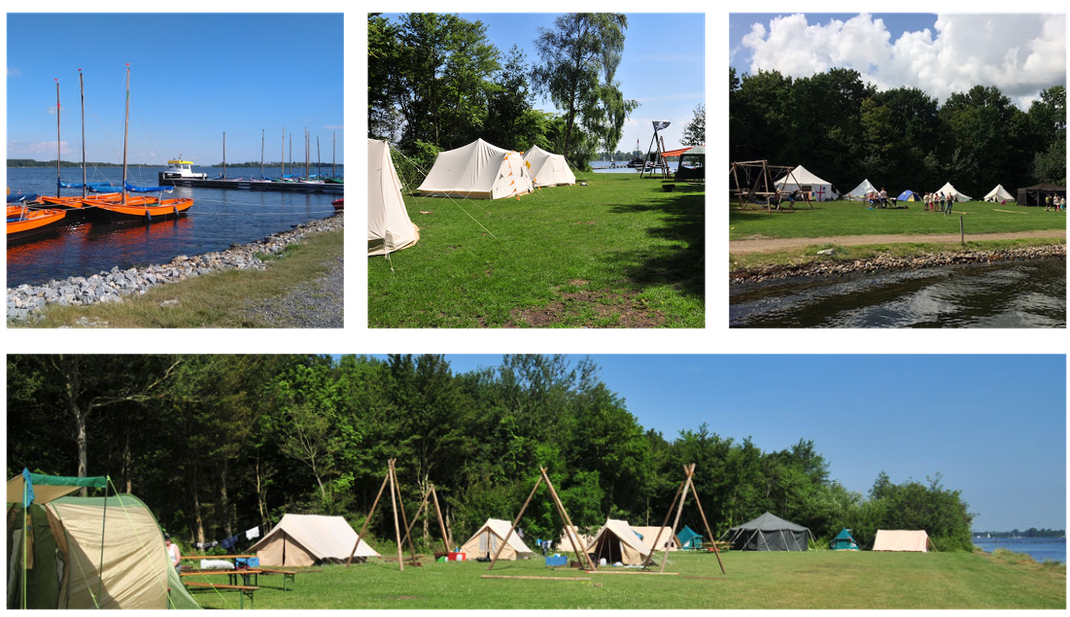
(20, 197)
(148, 189)
(93, 186)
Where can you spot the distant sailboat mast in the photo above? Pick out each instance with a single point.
(333, 148)
(319, 165)
(282, 155)
(58, 145)
(126, 130)
(262, 153)
(224, 155)
(81, 85)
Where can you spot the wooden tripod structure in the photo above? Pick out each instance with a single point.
(581, 555)
(391, 479)
(681, 497)
(758, 182)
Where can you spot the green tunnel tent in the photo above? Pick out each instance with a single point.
(844, 541)
(86, 552)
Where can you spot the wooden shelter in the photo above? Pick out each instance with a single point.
(754, 182)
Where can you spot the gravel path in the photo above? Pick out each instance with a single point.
(762, 245)
(315, 304)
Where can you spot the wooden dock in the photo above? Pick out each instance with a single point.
(258, 185)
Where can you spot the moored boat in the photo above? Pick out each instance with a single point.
(337, 203)
(180, 169)
(22, 222)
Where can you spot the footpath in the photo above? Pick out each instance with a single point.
(764, 245)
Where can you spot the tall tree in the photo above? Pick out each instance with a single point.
(695, 131)
(580, 56)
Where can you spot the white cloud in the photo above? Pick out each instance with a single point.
(46, 149)
(13, 72)
(1020, 54)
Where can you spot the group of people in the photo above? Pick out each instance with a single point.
(938, 202)
(877, 199)
(1055, 201)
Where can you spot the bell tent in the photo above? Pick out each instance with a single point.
(479, 171)
(547, 168)
(389, 226)
(859, 192)
(947, 189)
(485, 542)
(999, 195)
(300, 540)
(86, 552)
(801, 177)
(902, 541)
(666, 540)
(769, 532)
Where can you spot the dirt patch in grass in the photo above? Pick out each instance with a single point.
(590, 309)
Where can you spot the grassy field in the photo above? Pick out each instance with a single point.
(847, 218)
(619, 252)
(815, 579)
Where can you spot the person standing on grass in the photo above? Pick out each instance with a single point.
(950, 203)
(172, 551)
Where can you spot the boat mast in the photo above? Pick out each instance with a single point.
(57, 139)
(291, 154)
(306, 153)
(282, 155)
(261, 153)
(224, 154)
(81, 84)
(126, 130)
(333, 147)
(318, 159)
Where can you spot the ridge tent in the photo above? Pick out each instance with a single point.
(309, 539)
(844, 541)
(649, 534)
(547, 168)
(769, 532)
(86, 552)
(948, 189)
(485, 542)
(899, 540)
(999, 195)
(908, 195)
(689, 538)
(582, 540)
(799, 177)
(479, 171)
(616, 542)
(389, 226)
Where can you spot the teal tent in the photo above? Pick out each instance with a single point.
(844, 541)
(689, 540)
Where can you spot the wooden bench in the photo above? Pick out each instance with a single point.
(243, 590)
(287, 575)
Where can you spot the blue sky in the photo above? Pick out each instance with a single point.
(668, 79)
(1021, 54)
(993, 426)
(193, 76)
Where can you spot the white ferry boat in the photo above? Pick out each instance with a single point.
(180, 169)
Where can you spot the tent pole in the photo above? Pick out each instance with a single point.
(103, 522)
(679, 512)
(716, 551)
(365, 526)
(404, 518)
(668, 513)
(582, 557)
(515, 523)
(441, 524)
(394, 503)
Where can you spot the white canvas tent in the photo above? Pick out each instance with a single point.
(800, 176)
(899, 540)
(478, 171)
(485, 542)
(616, 542)
(581, 539)
(308, 539)
(667, 539)
(389, 226)
(947, 189)
(999, 195)
(858, 193)
(547, 168)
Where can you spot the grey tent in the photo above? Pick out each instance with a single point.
(1034, 195)
(769, 533)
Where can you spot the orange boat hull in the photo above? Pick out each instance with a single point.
(32, 222)
(138, 209)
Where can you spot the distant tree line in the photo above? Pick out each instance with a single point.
(846, 131)
(52, 163)
(1032, 532)
(218, 444)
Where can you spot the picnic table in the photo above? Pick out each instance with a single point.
(249, 576)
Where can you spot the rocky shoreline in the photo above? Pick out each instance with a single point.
(831, 267)
(111, 285)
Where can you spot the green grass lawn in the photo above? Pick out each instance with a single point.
(848, 218)
(815, 579)
(620, 252)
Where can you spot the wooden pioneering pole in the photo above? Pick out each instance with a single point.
(581, 556)
(757, 182)
(681, 495)
(399, 508)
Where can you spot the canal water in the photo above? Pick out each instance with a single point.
(218, 218)
(1024, 294)
(1040, 549)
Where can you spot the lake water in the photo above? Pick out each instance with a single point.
(218, 218)
(1040, 549)
(598, 165)
(1025, 294)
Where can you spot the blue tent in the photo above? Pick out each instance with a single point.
(908, 195)
(844, 541)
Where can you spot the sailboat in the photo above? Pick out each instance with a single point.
(136, 207)
(23, 222)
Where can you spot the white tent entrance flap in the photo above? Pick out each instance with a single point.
(800, 178)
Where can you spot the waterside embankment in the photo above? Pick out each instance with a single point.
(828, 265)
(24, 301)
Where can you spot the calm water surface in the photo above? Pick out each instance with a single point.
(218, 218)
(1040, 549)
